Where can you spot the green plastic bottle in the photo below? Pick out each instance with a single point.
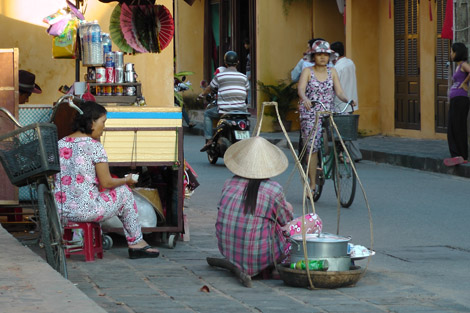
(313, 265)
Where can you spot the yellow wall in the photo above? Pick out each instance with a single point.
(281, 44)
(370, 44)
(189, 41)
(22, 27)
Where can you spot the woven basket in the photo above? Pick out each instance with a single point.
(320, 279)
(30, 152)
(347, 126)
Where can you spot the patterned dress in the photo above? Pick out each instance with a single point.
(77, 192)
(247, 240)
(316, 91)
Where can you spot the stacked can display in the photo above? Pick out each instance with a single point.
(110, 79)
(119, 73)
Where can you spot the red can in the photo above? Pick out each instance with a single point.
(100, 75)
(110, 75)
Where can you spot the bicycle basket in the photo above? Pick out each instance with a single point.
(30, 152)
(347, 126)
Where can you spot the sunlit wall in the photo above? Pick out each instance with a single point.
(22, 27)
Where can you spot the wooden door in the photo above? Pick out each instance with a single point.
(9, 100)
(407, 99)
(442, 71)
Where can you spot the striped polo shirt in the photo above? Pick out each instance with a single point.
(232, 89)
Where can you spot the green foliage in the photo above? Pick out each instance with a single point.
(283, 93)
(179, 76)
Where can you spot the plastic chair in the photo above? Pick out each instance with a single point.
(92, 240)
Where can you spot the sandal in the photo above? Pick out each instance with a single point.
(453, 161)
(141, 253)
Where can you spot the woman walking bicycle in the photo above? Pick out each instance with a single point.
(317, 83)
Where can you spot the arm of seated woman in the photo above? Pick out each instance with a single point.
(106, 180)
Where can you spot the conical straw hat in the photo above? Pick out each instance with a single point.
(255, 158)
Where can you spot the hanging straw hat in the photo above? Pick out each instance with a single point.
(255, 158)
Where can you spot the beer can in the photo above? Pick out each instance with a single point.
(99, 91)
(110, 74)
(110, 59)
(118, 90)
(100, 73)
(118, 75)
(91, 74)
(118, 59)
(107, 90)
(130, 91)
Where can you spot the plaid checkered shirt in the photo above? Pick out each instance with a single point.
(247, 240)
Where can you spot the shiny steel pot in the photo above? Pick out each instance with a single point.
(324, 246)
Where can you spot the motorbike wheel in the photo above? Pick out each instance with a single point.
(224, 143)
(211, 157)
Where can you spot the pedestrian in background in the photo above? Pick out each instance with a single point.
(246, 44)
(27, 86)
(459, 106)
(304, 62)
(347, 77)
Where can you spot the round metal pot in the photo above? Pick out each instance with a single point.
(324, 245)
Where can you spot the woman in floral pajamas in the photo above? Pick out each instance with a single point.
(85, 190)
(319, 82)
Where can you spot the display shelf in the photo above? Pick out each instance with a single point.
(124, 99)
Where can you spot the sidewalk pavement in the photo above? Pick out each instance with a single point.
(174, 282)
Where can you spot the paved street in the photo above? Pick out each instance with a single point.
(420, 236)
(420, 233)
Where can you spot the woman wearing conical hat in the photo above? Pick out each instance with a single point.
(253, 211)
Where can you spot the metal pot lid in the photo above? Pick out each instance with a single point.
(323, 237)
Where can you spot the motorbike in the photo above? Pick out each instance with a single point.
(231, 127)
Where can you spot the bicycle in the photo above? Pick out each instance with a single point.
(29, 155)
(333, 161)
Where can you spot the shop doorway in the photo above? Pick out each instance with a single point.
(407, 99)
(228, 23)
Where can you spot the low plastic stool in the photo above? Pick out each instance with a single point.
(92, 240)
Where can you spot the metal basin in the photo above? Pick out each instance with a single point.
(324, 245)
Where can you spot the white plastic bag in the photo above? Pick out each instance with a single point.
(147, 216)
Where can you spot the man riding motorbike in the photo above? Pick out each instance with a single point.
(231, 87)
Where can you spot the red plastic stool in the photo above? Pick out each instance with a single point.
(92, 241)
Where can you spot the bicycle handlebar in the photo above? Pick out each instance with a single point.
(11, 116)
(70, 99)
(350, 103)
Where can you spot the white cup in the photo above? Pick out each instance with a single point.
(79, 88)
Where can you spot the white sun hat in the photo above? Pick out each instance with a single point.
(255, 158)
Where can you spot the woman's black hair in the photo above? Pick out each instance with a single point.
(91, 112)
(461, 52)
(251, 196)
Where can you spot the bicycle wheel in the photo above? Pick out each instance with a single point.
(51, 230)
(345, 181)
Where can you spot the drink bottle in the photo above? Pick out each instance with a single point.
(84, 41)
(313, 265)
(106, 45)
(96, 52)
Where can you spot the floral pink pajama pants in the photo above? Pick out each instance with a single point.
(118, 202)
